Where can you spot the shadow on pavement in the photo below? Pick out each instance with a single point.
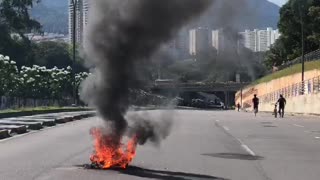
(234, 156)
(165, 175)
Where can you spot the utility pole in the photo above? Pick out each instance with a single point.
(241, 98)
(302, 47)
(74, 24)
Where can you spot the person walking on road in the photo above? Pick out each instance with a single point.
(238, 106)
(255, 102)
(282, 103)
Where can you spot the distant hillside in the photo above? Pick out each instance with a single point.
(53, 15)
(246, 14)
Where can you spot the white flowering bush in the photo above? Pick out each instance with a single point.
(8, 76)
(36, 82)
(81, 77)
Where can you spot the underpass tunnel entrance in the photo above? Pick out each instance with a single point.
(201, 99)
(208, 99)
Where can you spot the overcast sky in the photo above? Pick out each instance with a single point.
(278, 2)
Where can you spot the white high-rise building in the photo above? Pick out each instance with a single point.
(218, 40)
(82, 9)
(264, 39)
(259, 40)
(85, 13)
(192, 42)
(250, 39)
(199, 40)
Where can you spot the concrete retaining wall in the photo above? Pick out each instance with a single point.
(306, 103)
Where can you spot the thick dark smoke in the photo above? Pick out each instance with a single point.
(120, 34)
(150, 131)
(232, 17)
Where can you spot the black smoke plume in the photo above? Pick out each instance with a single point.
(120, 34)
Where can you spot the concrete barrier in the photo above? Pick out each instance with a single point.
(44, 122)
(35, 112)
(30, 125)
(14, 129)
(4, 134)
(20, 125)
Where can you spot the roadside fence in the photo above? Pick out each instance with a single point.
(310, 86)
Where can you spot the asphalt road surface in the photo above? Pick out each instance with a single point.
(203, 145)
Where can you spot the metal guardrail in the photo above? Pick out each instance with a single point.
(312, 56)
(310, 86)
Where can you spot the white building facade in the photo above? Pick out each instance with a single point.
(259, 40)
(218, 40)
(199, 40)
(82, 10)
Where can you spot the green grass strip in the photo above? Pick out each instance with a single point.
(288, 71)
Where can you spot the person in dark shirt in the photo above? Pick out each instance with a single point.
(255, 102)
(282, 103)
(238, 106)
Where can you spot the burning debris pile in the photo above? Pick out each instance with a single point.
(120, 34)
(109, 153)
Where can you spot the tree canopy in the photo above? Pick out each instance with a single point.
(296, 15)
(15, 21)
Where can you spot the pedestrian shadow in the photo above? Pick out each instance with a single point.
(165, 175)
(234, 156)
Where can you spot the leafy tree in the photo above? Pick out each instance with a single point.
(14, 23)
(295, 15)
(314, 13)
(277, 54)
(51, 54)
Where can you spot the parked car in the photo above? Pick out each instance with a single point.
(178, 101)
(216, 105)
(199, 103)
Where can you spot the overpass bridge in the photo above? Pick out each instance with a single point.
(225, 91)
(200, 87)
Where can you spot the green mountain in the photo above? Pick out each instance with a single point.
(53, 15)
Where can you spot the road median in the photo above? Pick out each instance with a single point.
(20, 125)
(36, 111)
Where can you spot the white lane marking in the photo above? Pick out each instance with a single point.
(217, 120)
(226, 128)
(246, 148)
(297, 125)
(317, 137)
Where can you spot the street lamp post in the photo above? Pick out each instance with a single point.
(302, 43)
(301, 12)
(74, 24)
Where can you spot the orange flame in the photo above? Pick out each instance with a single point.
(109, 154)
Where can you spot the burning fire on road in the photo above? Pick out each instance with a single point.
(110, 154)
